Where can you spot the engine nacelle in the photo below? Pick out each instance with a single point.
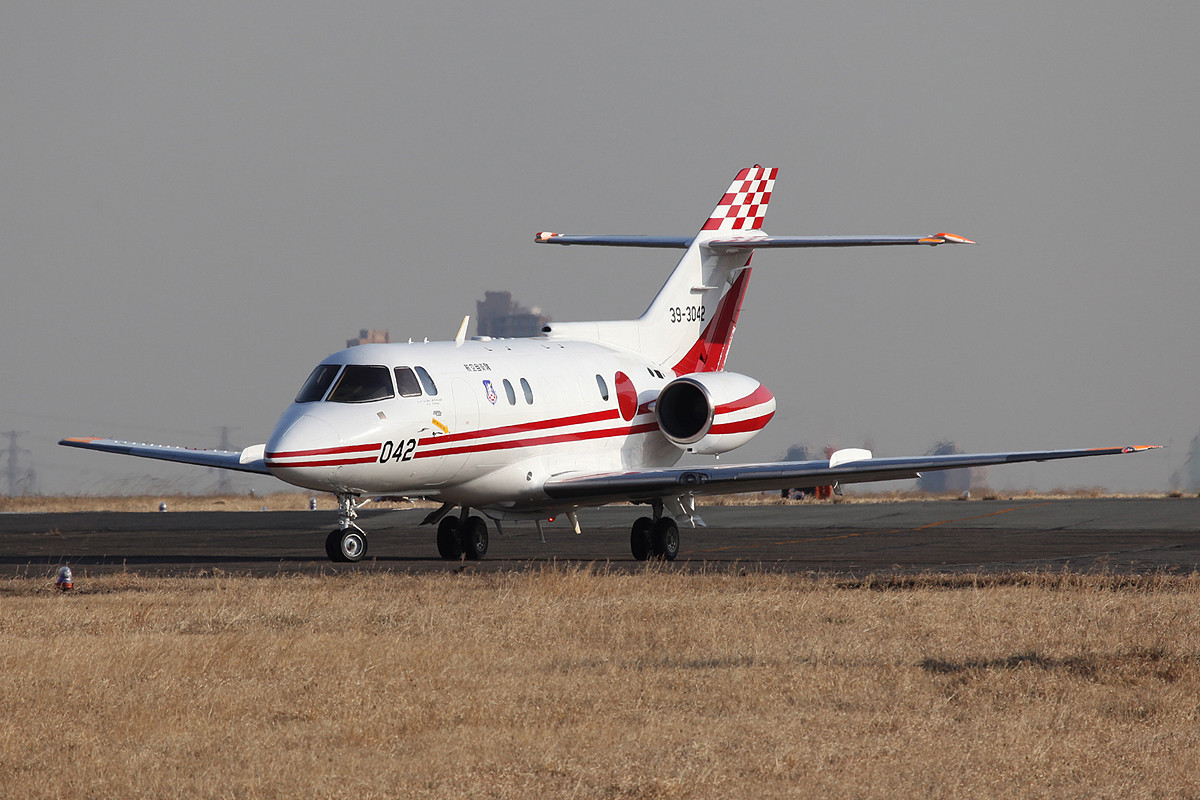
(713, 412)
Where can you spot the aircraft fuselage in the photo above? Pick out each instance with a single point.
(484, 426)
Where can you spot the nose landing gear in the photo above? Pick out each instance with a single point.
(348, 542)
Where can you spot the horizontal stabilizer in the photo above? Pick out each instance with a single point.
(752, 240)
(675, 242)
(248, 460)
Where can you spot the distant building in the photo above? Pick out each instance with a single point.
(499, 317)
(372, 336)
(950, 480)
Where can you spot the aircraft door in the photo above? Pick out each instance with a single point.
(464, 418)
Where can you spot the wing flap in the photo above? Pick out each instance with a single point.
(248, 460)
(650, 484)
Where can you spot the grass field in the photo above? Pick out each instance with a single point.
(580, 683)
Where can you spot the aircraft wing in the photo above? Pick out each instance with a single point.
(248, 460)
(845, 466)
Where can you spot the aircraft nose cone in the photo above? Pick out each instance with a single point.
(302, 443)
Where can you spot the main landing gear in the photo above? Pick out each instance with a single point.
(462, 536)
(654, 538)
(348, 542)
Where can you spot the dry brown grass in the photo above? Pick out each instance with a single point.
(578, 683)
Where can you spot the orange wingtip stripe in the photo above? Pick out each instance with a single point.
(954, 238)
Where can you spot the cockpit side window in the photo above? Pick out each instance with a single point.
(406, 382)
(362, 384)
(427, 382)
(318, 383)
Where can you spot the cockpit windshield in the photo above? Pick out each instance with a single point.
(318, 383)
(362, 384)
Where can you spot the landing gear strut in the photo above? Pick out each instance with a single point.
(348, 542)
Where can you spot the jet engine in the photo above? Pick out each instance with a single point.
(713, 412)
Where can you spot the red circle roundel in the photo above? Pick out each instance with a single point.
(626, 396)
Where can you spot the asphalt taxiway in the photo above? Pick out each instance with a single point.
(850, 538)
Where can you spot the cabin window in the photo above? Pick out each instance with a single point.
(603, 387)
(407, 383)
(318, 383)
(508, 390)
(362, 384)
(525, 387)
(427, 381)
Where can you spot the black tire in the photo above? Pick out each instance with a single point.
(475, 538)
(639, 538)
(449, 543)
(665, 539)
(333, 545)
(350, 545)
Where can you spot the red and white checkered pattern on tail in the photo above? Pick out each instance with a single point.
(745, 203)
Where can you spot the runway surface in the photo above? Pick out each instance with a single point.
(851, 539)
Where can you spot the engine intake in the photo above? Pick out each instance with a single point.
(713, 412)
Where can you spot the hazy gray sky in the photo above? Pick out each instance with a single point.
(200, 201)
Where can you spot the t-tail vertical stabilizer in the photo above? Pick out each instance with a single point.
(689, 325)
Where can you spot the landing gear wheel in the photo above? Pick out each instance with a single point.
(475, 538)
(665, 539)
(449, 543)
(639, 538)
(347, 545)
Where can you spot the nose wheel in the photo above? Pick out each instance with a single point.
(347, 545)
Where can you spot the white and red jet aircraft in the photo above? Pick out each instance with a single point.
(585, 414)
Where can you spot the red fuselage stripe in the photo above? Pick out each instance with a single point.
(578, 436)
(333, 463)
(327, 451)
(525, 427)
